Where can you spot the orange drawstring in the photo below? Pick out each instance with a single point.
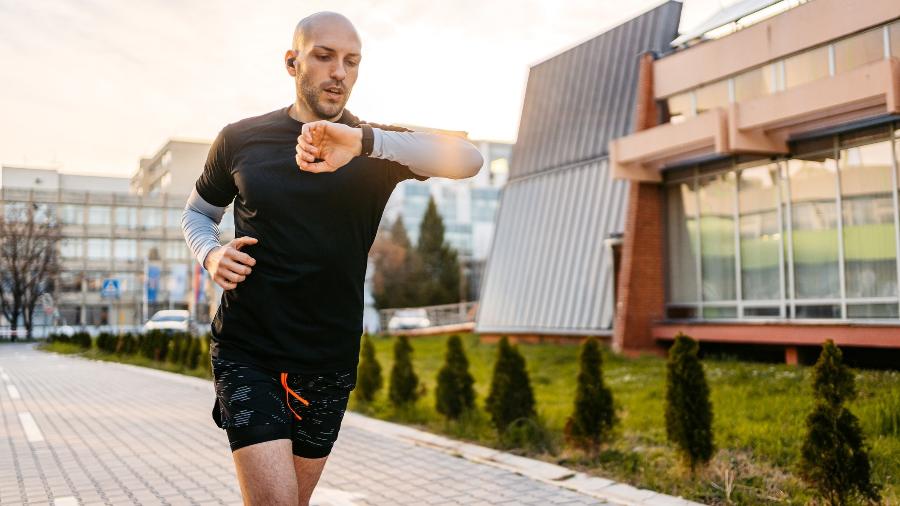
(288, 391)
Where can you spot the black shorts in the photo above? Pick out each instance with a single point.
(255, 405)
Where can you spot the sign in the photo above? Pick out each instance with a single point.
(152, 282)
(177, 282)
(110, 288)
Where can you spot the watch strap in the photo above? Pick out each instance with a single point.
(368, 139)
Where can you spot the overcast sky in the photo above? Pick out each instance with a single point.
(90, 86)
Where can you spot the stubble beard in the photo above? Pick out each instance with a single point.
(310, 93)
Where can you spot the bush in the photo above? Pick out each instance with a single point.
(511, 396)
(404, 382)
(834, 458)
(369, 380)
(594, 415)
(454, 393)
(127, 345)
(175, 349)
(192, 357)
(688, 410)
(82, 339)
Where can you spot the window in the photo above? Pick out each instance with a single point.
(805, 67)
(870, 243)
(755, 83)
(99, 215)
(760, 233)
(173, 218)
(126, 217)
(71, 214)
(682, 242)
(680, 107)
(98, 249)
(813, 180)
(712, 95)
(125, 249)
(858, 50)
(177, 250)
(717, 258)
(151, 217)
(894, 34)
(151, 249)
(71, 248)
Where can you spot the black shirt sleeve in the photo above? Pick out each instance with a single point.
(216, 183)
(395, 171)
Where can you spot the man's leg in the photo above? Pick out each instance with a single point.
(265, 473)
(307, 472)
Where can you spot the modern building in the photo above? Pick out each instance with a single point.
(107, 234)
(550, 272)
(763, 169)
(172, 169)
(756, 163)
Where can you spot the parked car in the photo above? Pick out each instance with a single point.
(171, 320)
(409, 319)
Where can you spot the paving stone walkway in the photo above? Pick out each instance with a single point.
(76, 431)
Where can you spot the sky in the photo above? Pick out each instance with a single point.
(90, 86)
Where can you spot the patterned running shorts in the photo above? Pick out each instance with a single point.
(254, 405)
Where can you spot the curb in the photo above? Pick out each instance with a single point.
(563, 477)
(546, 472)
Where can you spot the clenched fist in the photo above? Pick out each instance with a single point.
(334, 144)
(228, 265)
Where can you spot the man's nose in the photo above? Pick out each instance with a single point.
(338, 72)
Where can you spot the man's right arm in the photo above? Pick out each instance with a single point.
(200, 224)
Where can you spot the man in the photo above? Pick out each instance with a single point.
(309, 184)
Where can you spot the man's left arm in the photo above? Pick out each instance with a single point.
(425, 154)
(428, 154)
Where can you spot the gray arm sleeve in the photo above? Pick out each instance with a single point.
(427, 153)
(200, 225)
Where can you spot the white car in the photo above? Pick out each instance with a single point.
(172, 320)
(409, 319)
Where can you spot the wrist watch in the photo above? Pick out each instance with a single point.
(368, 139)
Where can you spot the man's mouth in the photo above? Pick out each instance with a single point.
(334, 93)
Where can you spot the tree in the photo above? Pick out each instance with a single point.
(688, 410)
(834, 458)
(511, 397)
(404, 382)
(454, 393)
(439, 260)
(29, 261)
(594, 414)
(369, 380)
(396, 282)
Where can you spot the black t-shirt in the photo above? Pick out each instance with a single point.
(301, 307)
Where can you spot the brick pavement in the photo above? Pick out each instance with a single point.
(76, 431)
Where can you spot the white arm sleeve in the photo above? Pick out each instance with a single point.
(428, 154)
(200, 225)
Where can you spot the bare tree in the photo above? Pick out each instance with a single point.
(29, 260)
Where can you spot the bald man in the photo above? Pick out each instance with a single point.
(309, 183)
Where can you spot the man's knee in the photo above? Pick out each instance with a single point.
(265, 473)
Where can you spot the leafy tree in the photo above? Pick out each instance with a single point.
(834, 458)
(688, 410)
(404, 382)
(398, 280)
(511, 397)
(594, 414)
(454, 393)
(369, 380)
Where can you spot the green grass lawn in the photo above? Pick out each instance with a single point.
(759, 412)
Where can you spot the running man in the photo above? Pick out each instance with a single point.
(309, 183)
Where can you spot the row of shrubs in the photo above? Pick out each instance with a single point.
(834, 457)
(177, 348)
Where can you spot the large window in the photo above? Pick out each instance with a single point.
(859, 50)
(755, 83)
(99, 215)
(867, 201)
(894, 34)
(806, 67)
(71, 214)
(760, 233)
(681, 106)
(98, 249)
(712, 95)
(814, 222)
(126, 217)
(811, 236)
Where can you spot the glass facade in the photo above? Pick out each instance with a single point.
(813, 235)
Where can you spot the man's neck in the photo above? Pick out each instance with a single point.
(300, 112)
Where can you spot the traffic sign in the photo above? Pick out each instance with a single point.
(110, 288)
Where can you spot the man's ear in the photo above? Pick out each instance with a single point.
(290, 61)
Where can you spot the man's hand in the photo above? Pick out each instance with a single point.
(227, 265)
(335, 144)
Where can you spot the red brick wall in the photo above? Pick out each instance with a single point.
(641, 280)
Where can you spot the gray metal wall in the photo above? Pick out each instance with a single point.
(549, 271)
